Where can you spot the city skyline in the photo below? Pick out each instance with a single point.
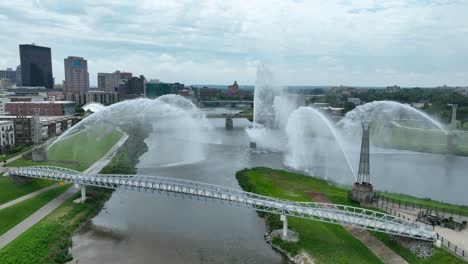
(370, 43)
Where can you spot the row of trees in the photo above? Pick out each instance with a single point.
(436, 101)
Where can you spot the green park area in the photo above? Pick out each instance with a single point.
(9, 190)
(15, 151)
(326, 243)
(413, 136)
(77, 151)
(14, 214)
(48, 241)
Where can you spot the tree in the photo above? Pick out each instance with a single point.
(79, 111)
(462, 115)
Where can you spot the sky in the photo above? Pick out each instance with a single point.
(304, 42)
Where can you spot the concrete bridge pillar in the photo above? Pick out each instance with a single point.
(82, 188)
(229, 123)
(83, 193)
(284, 219)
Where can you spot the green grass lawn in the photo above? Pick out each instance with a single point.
(48, 241)
(327, 243)
(14, 214)
(427, 203)
(16, 151)
(418, 140)
(440, 257)
(79, 151)
(10, 190)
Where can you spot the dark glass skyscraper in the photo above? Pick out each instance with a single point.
(36, 66)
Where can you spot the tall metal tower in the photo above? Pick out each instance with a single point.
(363, 191)
(364, 170)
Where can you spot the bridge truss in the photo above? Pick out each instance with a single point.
(324, 212)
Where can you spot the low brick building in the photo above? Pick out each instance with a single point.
(46, 108)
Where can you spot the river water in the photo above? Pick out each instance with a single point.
(151, 228)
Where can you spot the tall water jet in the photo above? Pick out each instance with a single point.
(272, 107)
(311, 137)
(174, 125)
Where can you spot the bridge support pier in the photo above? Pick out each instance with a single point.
(284, 219)
(83, 193)
(229, 123)
(82, 188)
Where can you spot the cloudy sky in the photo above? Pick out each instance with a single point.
(305, 42)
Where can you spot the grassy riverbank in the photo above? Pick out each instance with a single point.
(410, 136)
(9, 190)
(49, 241)
(78, 151)
(13, 215)
(327, 243)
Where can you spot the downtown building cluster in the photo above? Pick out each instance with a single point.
(34, 108)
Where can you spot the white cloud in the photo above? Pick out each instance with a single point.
(209, 41)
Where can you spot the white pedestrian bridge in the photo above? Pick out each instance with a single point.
(323, 212)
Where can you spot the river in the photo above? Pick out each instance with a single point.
(153, 228)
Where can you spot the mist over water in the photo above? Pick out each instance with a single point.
(312, 141)
(272, 107)
(167, 117)
(386, 113)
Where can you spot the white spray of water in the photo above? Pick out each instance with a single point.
(93, 107)
(272, 108)
(178, 127)
(308, 129)
(385, 112)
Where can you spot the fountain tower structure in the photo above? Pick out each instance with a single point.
(363, 191)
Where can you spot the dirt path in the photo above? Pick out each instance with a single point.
(384, 253)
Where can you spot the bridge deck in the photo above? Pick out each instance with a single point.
(324, 212)
(228, 116)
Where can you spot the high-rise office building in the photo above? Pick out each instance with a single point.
(110, 82)
(9, 74)
(76, 75)
(133, 87)
(36, 66)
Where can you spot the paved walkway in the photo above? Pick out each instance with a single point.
(27, 196)
(459, 238)
(3, 169)
(27, 223)
(384, 253)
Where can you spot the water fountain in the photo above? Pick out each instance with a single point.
(169, 118)
(310, 133)
(272, 108)
(386, 112)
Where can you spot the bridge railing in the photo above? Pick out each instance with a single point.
(332, 213)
